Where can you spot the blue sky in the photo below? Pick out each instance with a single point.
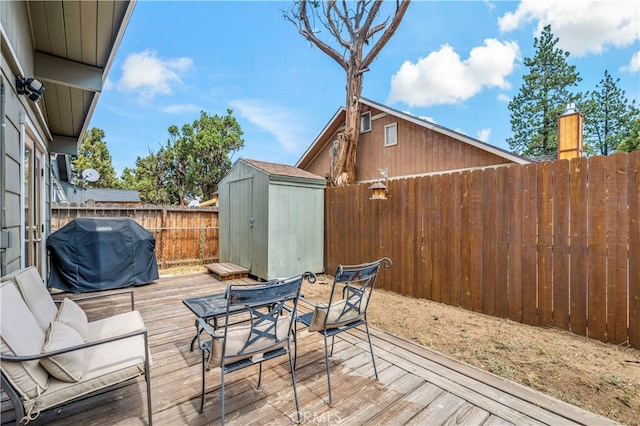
(457, 63)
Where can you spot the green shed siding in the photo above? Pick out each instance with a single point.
(283, 233)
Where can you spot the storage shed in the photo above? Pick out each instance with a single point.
(271, 219)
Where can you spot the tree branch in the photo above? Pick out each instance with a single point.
(401, 8)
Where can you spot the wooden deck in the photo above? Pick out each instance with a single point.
(417, 385)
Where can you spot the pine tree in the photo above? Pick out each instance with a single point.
(631, 142)
(608, 117)
(542, 98)
(94, 154)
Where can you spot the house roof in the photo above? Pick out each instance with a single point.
(281, 169)
(338, 119)
(75, 43)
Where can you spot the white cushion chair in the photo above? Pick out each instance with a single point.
(51, 356)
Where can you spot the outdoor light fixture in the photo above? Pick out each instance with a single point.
(379, 190)
(31, 87)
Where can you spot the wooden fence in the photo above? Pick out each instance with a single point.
(184, 236)
(553, 244)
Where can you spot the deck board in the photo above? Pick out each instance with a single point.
(416, 386)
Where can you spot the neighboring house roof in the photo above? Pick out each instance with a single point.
(543, 158)
(74, 63)
(102, 195)
(281, 169)
(78, 195)
(339, 117)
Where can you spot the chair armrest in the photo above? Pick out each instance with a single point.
(311, 303)
(20, 358)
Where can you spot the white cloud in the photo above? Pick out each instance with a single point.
(182, 109)
(427, 118)
(503, 98)
(582, 27)
(284, 124)
(484, 134)
(443, 78)
(634, 64)
(147, 75)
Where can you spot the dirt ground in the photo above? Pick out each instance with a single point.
(598, 377)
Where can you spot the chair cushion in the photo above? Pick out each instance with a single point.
(116, 325)
(334, 319)
(36, 296)
(21, 335)
(69, 366)
(237, 336)
(104, 366)
(72, 315)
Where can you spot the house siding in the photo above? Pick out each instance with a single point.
(420, 150)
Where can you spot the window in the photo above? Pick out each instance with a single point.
(391, 134)
(365, 122)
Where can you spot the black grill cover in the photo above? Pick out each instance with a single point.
(90, 254)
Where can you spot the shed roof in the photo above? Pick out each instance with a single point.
(281, 169)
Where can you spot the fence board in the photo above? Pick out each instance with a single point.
(597, 246)
(465, 242)
(408, 235)
(578, 262)
(561, 212)
(476, 258)
(545, 244)
(388, 240)
(514, 295)
(489, 241)
(502, 278)
(427, 279)
(529, 245)
(420, 270)
(435, 214)
(617, 236)
(454, 238)
(445, 234)
(634, 249)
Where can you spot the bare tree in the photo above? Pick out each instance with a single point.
(352, 25)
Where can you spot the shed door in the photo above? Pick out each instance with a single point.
(240, 221)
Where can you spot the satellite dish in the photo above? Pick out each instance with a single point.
(90, 175)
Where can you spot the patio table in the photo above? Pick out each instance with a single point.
(209, 308)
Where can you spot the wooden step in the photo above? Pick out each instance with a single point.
(227, 271)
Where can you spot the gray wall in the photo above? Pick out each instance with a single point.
(17, 114)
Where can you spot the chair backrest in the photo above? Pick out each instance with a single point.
(269, 323)
(352, 288)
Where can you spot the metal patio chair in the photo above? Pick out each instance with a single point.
(347, 307)
(269, 312)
